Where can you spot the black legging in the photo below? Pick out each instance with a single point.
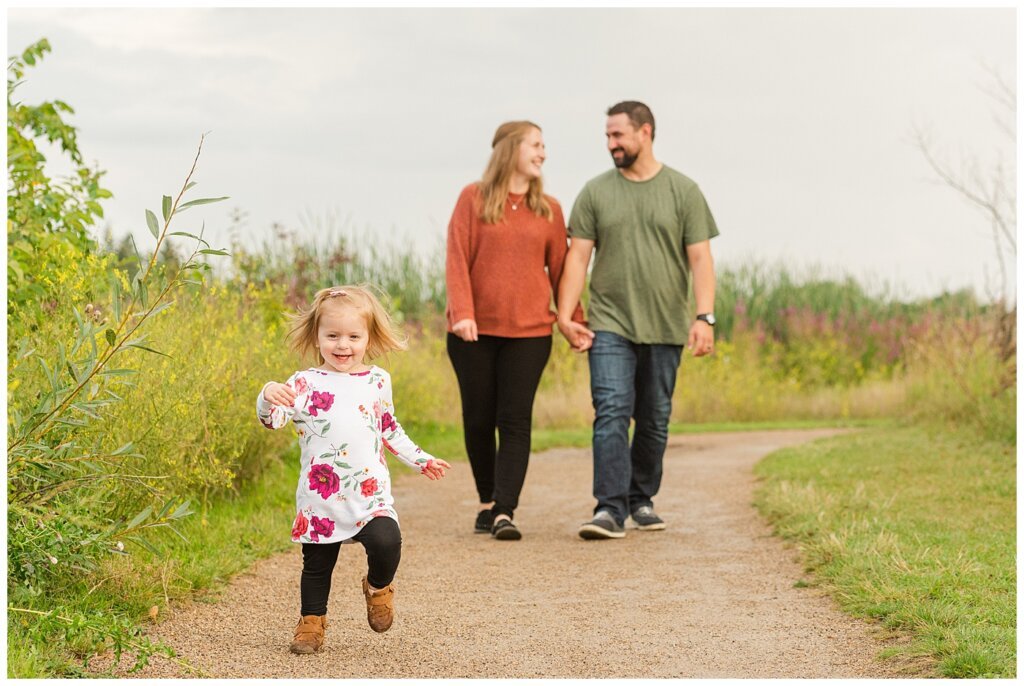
(498, 380)
(382, 540)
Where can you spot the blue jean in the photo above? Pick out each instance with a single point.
(630, 381)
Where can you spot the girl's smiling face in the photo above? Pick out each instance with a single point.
(342, 338)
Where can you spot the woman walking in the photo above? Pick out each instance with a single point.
(506, 247)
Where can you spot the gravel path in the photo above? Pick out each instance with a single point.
(712, 596)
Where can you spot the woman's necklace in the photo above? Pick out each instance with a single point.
(515, 203)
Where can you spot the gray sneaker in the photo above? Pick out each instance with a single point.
(602, 526)
(646, 520)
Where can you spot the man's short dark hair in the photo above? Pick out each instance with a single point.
(638, 113)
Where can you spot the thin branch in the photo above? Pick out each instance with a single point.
(125, 318)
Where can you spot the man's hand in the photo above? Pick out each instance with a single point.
(702, 339)
(465, 329)
(578, 335)
(279, 394)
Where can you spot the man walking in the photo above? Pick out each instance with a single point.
(651, 228)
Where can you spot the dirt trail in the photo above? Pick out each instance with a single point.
(712, 596)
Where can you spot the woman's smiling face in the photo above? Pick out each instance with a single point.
(531, 155)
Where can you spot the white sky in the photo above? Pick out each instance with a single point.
(796, 123)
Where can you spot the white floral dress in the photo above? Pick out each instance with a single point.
(345, 422)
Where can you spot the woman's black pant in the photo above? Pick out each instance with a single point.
(382, 540)
(498, 380)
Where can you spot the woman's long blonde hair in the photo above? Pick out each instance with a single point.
(494, 184)
(384, 336)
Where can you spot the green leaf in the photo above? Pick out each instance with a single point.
(115, 296)
(190, 185)
(154, 227)
(212, 251)
(159, 308)
(138, 255)
(70, 422)
(110, 336)
(118, 372)
(166, 508)
(49, 374)
(178, 534)
(139, 518)
(148, 349)
(167, 207)
(84, 409)
(187, 235)
(145, 544)
(182, 511)
(200, 201)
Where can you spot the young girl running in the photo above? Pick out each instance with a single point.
(345, 418)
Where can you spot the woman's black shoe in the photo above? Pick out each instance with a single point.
(505, 530)
(484, 522)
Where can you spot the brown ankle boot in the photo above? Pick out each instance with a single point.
(309, 634)
(380, 607)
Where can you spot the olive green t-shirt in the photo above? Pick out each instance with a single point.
(639, 287)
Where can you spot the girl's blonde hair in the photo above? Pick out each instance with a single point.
(494, 184)
(384, 336)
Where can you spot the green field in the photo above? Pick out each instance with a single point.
(913, 527)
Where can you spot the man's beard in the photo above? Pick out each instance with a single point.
(626, 161)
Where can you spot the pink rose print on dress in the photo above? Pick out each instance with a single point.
(300, 526)
(320, 400)
(301, 386)
(379, 513)
(387, 422)
(368, 487)
(323, 480)
(321, 527)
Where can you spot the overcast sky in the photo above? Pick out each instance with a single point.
(796, 123)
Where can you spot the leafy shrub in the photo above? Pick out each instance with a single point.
(49, 250)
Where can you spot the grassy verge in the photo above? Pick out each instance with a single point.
(912, 527)
(237, 531)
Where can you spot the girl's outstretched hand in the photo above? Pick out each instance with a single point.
(434, 469)
(279, 394)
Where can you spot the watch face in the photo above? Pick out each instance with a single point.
(709, 318)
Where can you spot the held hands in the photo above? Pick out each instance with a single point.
(465, 329)
(702, 339)
(279, 394)
(434, 469)
(578, 335)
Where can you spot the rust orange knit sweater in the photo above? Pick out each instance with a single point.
(495, 273)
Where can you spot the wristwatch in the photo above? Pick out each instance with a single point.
(708, 319)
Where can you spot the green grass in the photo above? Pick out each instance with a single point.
(237, 531)
(913, 528)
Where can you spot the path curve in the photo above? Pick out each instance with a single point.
(712, 596)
